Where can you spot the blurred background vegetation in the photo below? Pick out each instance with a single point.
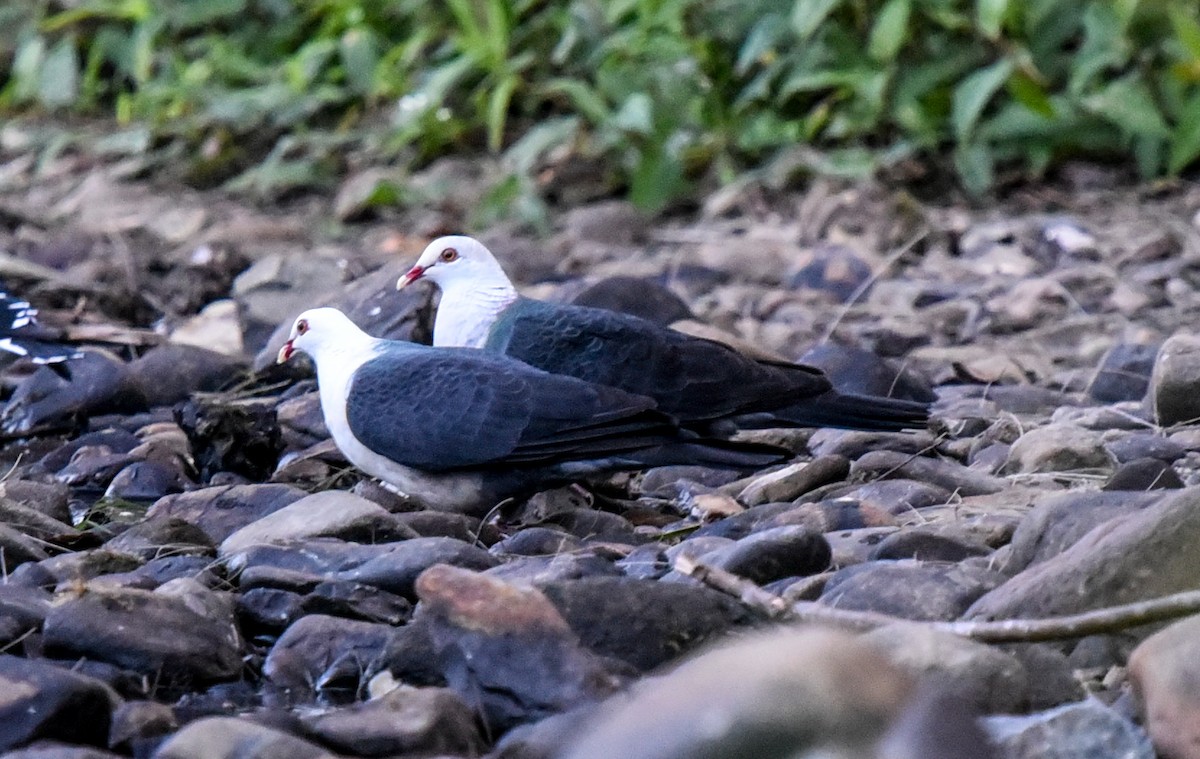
(665, 99)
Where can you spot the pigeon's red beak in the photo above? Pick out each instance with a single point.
(285, 352)
(413, 275)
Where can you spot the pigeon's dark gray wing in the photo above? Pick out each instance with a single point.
(692, 378)
(21, 335)
(440, 409)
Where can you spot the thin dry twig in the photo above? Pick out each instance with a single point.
(1110, 619)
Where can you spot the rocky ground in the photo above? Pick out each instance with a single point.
(191, 569)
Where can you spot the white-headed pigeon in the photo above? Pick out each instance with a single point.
(462, 429)
(22, 337)
(701, 382)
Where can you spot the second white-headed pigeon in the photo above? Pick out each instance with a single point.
(462, 429)
(699, 381)
(22, 337)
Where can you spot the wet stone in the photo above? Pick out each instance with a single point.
(356, 601)
(446, 524)
(35, 524)
(898, 496)
(268, 609)
(1057, 521)
(17, 548)
(1143, 445)
(93, 467)
(406, 721)
(50, 498)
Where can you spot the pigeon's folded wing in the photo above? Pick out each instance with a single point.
(441, 410)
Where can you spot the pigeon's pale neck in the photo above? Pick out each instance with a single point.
(468, 310)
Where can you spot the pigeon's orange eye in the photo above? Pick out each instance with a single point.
(301, 326)
(448, 255)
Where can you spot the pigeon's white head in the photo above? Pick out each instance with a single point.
(458, 262)
(318, 329)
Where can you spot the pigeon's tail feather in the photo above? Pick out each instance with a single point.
(723, 454)
(846, 411)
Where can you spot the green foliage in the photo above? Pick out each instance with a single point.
(671, 93)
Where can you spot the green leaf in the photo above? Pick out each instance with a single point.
(1026, 91)
(525, 153)
(359, 59)
(636, 114)
(497, 114)
(656, 181)
(974, 165)
(1185, 141)
(972, 95)
(58, 84)
(1186, 27)
(27, 66)
(889, 31)
(807, 15)
(989, 14)
(585, 100)
(1128, 103)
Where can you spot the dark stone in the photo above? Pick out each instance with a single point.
(222, 510)
(596, 525)
(1085, 729)
(909, 590)
(115, 440)
(50, 498)
(772, 554)
(171, 372)
(1143, 475)
(17, 548)
(831, 268)
(1058, 520)
(535, 570)
(234, 738)
(1144, 445)
(356, 601)
(646, 562)
(1052, 680)
(150, 632)
(506, 650)
(634, 295)
(945, 542)
(642, 622)
(670, 481)
(140, 725)
(56, 750)
(397, 570)
(169, 536)
(1124, 373)
(829, 516)
(410, 656)
(537, 541)
(46, 401)
(325, 655)
(937, 724)
(854, 370)
(231, 437)
(946, 474)
(147, 481)
(44, 701)
(445, 524)
(85, 565)
(269, 609)
(167, 568)
(897, 496)
(35, 524)
(93, 467)
(424, 721)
